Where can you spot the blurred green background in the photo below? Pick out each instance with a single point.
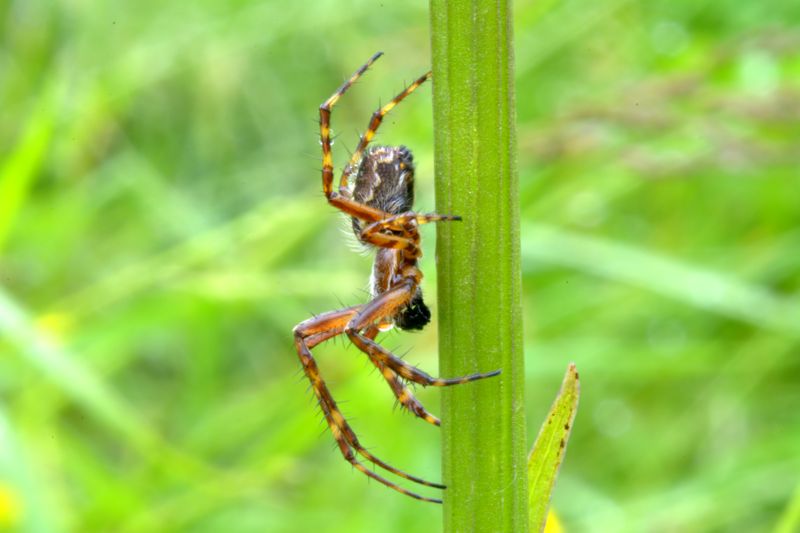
(162, 230)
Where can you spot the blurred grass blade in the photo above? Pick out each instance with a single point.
(549, 449)
(75, 380)
(706, 289)
(790, 519)
(20, 166)
(265, 223)
(23, 509)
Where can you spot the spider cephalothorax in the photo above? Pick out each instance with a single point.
(380, 205)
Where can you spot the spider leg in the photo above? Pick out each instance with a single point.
(325, 125)
(401, 392)
(372, 128)
(356, 209)
(386, 305)
(307, 335)
(376, 232)
(403, 395)
(389, 240)
(403, 219)
(341, 199)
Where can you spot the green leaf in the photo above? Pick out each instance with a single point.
(549, 449)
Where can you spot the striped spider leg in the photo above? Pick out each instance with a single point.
(379, 203)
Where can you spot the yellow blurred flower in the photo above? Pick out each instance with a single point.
(56, 325)
(553, 524)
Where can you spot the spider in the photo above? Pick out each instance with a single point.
(380, 206)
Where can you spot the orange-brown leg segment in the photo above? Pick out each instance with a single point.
(403, 395)
(354, 209)
(401, 392)
(383, 233)
(395, 242)
(307, 335)
(372, 128)
(398, 222)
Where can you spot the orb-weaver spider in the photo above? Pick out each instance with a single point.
(380, 206)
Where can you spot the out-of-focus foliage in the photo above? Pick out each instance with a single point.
(162, 230)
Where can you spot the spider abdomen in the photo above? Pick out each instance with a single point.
(385, 181)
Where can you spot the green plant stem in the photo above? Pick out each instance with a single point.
(480, 329)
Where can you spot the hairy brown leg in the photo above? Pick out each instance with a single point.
(325, 125)
(386, 305)
(377, 234)
(398, 222)
(395, 242)
(403, 395)
(341, 200)
(355, 209)
(401, 392)
(307, 335)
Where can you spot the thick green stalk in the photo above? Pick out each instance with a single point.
(478, 265)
